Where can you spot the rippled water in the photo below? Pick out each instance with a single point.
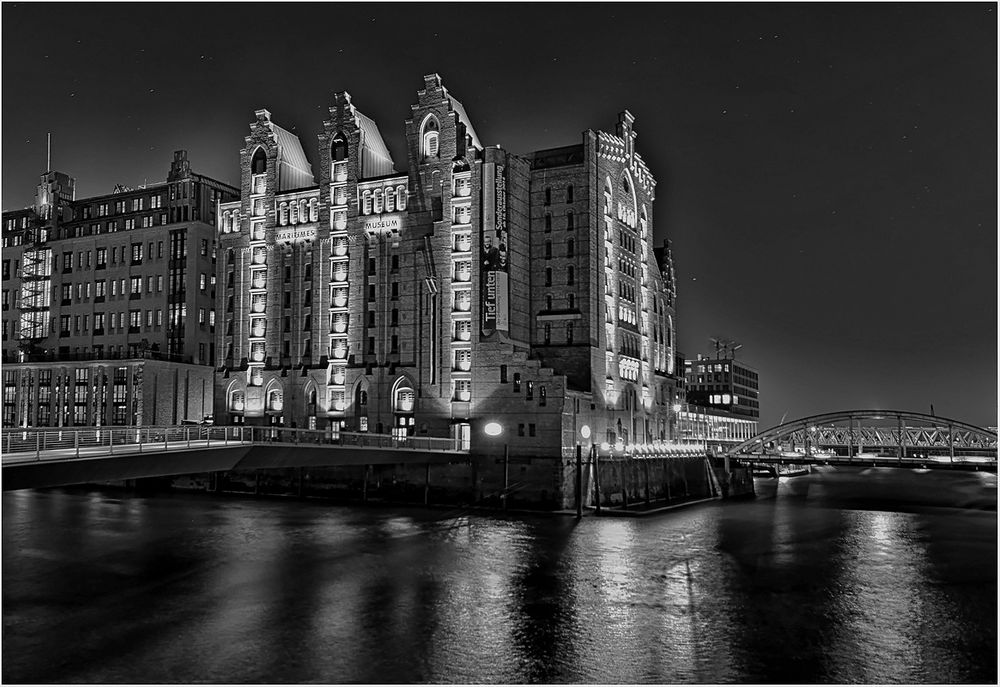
(803, 584)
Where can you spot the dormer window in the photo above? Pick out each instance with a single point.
(430, 138)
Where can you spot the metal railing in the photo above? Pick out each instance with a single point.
(38, 443)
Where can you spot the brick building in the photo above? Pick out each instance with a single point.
(109, 303)
(475, 285)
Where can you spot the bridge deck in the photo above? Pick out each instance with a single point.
(46, 457)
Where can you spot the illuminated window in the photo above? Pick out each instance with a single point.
(400, 197)
(403, 402)
(274, 400)
(462, 390)
(429, 139)
(237, 401)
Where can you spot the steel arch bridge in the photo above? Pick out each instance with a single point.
(858, 435)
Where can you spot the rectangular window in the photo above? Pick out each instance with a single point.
(517, 382)
(136, 253)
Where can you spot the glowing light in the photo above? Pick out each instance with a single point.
(585, 431)
(493, 429)
(605, 446)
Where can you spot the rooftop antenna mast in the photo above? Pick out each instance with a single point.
(48, 152)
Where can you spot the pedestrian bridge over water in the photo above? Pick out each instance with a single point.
(47, 457)
(888, 438)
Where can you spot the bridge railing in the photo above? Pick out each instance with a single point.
(57, 443)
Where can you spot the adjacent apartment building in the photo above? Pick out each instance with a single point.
(109, 303)
(468, 285)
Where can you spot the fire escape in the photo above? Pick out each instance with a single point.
(36, 288)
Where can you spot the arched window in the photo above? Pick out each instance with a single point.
(403, 401)
(569, 248)
(338, 151)
(303, 211)
(548, 196)
(570, 220)
(313, 210)
(570, 277)
(548, 222)
(283, 214)
(569, 193)
(400, 197)
(237, 401)
(548, 250)
(366, 203)
(258, 164)
(274, 400)
(378, 201)
(548, 276)
(429, 137)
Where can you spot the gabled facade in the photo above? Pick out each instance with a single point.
(474, 286)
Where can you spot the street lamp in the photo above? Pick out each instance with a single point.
(585, 433)
(495, 429)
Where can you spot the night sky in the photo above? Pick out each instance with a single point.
(827, 173)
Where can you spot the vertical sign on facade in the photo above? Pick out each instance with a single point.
(494, 294)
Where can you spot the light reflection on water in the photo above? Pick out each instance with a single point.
(804, 584)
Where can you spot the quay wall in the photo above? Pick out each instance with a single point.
(532, 483)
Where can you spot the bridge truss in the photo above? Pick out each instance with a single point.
(855, 432)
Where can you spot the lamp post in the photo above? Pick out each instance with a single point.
(495, 429)
(585, 433)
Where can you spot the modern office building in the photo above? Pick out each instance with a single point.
(723, 383)
(722, 401)
(109, 303)
(470, 286)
